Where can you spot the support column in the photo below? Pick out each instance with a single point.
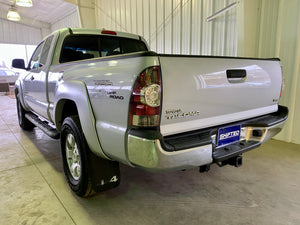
(87, 13)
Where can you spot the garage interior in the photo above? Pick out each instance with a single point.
(265, 190)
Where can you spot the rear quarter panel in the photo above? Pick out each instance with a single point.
(109, 83)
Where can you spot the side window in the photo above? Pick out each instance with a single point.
(34, 62)
(45, 51)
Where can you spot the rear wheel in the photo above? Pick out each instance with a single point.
(74, 154)
(23, 121)
(86, 173)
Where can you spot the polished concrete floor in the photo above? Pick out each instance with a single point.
(33, 190)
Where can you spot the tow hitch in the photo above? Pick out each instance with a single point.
(234, 161)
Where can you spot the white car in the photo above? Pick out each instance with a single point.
(7, 76)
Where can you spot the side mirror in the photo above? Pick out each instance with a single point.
(18, 63)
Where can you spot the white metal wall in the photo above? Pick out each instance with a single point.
(15, 33)
(173, 26)
(287, 47)
(35, 31)
(71, 20)
(278, 31)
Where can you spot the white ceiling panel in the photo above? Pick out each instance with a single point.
(49, 11)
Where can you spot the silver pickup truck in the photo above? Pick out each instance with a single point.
(109, 100)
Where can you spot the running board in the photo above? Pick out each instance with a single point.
(43, 125)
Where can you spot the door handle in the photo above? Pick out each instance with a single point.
(32, 78)
(236, 76)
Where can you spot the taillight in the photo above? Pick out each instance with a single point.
(145, 102)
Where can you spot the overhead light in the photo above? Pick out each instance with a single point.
(13, 15)
(24, 3)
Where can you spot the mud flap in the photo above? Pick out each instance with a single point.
(105, 173)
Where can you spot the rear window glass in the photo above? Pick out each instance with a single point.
(80, 47)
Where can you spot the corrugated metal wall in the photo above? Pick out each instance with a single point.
(278, 36)
(173, 26)
(180, 27)
(267, 28)
(71, 20)
(286, 45)
(16, 33)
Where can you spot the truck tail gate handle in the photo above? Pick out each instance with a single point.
(236, 76)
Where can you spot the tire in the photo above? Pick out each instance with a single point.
(86, 173)
(74, 154)
(24, 123)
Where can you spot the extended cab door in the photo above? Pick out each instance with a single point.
(35, 86)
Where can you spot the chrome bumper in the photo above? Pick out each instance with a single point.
(251, 137)
(247, 133)
(150, 155)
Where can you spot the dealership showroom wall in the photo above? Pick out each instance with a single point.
(265, 190)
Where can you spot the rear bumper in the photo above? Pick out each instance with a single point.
(199, 147)
(149, 154)
(247, 142)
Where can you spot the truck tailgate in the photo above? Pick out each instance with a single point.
(200, 92)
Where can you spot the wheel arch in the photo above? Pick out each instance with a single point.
(64, 109)
(72, 98)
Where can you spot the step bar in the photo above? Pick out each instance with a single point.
(43, 125)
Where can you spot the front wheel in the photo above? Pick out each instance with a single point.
(86, 173)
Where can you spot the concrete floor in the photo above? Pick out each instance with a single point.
(33, 190)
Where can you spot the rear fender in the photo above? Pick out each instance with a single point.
(76, 91)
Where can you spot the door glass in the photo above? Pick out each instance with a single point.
(34, 62)
(45, 51)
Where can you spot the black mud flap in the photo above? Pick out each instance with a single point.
(105, 173)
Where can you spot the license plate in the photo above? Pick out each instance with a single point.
(228, 135)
